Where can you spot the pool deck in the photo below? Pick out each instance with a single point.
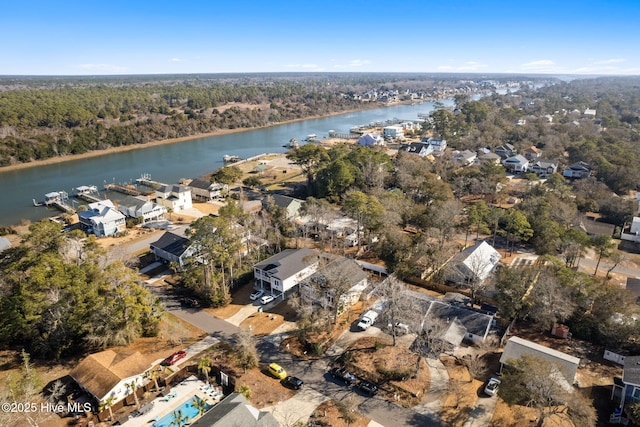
(183, 391)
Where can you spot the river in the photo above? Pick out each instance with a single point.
(170, 162)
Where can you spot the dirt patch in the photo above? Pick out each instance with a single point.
(461, 396)
(400, 374)
(264, 323)
(265, 390)
(239, 300)
(329, 414)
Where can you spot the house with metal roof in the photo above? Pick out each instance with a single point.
(516, 164)
(174, 197)
(517, 347)
(284, 271)
(102, 219)
(142, 208)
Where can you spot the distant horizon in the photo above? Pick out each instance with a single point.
(121, 38)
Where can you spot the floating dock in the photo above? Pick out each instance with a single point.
(145, 179)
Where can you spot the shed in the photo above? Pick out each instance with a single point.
(517, 347)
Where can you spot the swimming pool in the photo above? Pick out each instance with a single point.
(188, 411)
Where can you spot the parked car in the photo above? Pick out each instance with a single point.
(292, 382)
(344, 375)
(368, 387)
(267, 299)
(277, 371)
(256, 294)
(367, 319)
(491, 389)
(191, 302)
(175, 357)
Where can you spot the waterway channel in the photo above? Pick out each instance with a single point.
(170, 162)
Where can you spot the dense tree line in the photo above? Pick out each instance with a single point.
(42, 118)
(59, 297)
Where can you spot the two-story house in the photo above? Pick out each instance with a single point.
(421, 149)
(205, 190)
(577, 170)
(516, 164)
(174, 197)
(141, 208)
(102, 219)
(286, 270)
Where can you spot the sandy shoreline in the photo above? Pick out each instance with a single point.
(71, 157)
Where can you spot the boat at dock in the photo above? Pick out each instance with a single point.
(293, 143)
(88, 193)
(57, 199)
(145, 179)
(311, 138)
(230, 159)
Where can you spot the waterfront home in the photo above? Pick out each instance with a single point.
(108, 375)
(141, 208)
(393, 131)
(174, 197)
(102, 219)
(286, 270)
(205, 190)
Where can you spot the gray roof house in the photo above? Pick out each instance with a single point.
(505, 150)
(234, 411)
(464, 158)
(544, 167)
(289, 204)
(421, 149)
(475, 326)
(517, 347)
(140, 207)
(577, 170)
(316, 288)
(205, 190)
(172, 247)
(284, 271)
(475, 263)
(517, 164)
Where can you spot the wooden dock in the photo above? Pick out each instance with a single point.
(88, 193)
(124, 189)
(145, 179)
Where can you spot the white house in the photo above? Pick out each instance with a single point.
(369, 139)
(577, 170)
(140, 207)
(439, 145)
(282, 272)
(393, 132)
(102, 219)
(464, 158)
(517, 164)
(108, 374)
(174, 197)
(475, 263)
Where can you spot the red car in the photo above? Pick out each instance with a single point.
(175, 357)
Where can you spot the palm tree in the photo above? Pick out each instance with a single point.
(107, 404)
(179, 419)
(204, 365)
(154, 377)
(200, 405)
(133, 386)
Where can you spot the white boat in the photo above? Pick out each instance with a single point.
(230, 159)
(293, 143)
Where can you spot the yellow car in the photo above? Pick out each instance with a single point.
(277, 371)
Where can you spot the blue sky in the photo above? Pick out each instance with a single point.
(156, 37)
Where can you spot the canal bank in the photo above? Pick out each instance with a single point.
(168, 162)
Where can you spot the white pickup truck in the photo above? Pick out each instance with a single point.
(367, 319)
